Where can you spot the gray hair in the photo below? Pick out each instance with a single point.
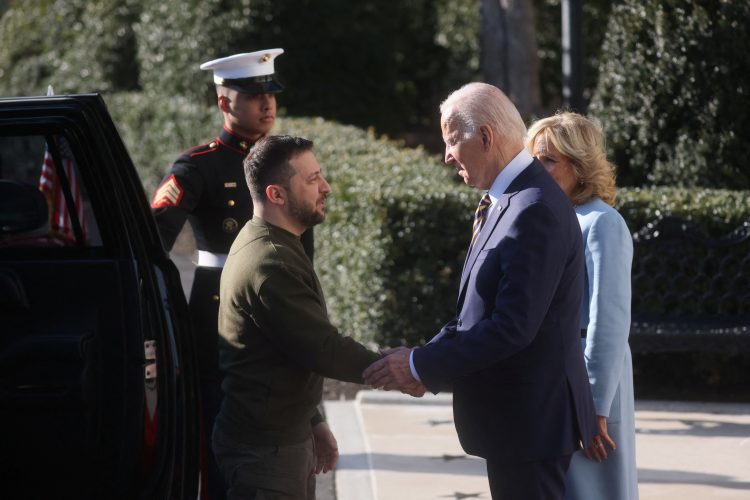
(477, 104)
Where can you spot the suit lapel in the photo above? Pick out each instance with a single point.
(489, 226)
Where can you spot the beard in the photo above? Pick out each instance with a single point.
(306, 216)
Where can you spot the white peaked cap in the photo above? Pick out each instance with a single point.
(245, 71)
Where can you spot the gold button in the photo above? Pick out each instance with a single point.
(230, 203)
(243, 145)
(216, 298)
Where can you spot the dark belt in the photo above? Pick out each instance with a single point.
(583, 333)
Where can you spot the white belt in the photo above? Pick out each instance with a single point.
(210, 259)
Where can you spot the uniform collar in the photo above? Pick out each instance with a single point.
(234, 141)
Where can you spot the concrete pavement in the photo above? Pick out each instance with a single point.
(394, 447)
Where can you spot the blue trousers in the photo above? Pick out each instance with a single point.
(537, 480)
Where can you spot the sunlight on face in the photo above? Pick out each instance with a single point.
(559, 166)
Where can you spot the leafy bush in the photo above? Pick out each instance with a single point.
(390, 252)
(74, 46)
(175, 37)
(673, 92)
(714, 212)
(548, 20)
(458, 28)
(156, 128)
(370, 63)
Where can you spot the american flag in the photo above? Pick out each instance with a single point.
(49, 184)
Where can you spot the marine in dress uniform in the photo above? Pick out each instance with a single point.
(206, 186)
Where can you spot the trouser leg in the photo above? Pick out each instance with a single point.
(536, 480)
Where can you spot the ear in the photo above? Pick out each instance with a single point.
(485, 133)
(223, 102)
(276, 194)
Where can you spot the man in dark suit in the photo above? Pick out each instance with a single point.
(512, 353)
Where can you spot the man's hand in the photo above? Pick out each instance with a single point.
(393, 372)
(416, 389)
(597, 450)
(326, 448)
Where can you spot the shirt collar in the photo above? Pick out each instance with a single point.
(508, 174)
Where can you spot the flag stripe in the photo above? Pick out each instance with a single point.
(49, 184)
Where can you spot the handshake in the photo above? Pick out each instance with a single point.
(392, 371)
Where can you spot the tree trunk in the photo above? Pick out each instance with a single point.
(509, 57)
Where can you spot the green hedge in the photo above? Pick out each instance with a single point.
(715, 212)
(156, 128)
(73, 45)
(390, 252)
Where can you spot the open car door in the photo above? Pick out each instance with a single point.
(98, 389)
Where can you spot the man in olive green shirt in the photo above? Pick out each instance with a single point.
(276, 343)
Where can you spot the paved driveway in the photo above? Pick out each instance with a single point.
(393, 448)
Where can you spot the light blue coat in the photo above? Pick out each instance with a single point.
(605, 315)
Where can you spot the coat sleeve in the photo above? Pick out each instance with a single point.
(296, 322)
(175, 198)
(449, 329)
(609, 255)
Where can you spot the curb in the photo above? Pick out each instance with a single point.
(396, 398)
(354, 474)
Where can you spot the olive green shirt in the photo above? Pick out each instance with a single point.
(275, 340)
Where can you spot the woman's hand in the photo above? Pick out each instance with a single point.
(597, 449)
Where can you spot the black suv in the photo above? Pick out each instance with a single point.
(98, 389)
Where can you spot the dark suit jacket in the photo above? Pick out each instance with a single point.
(513, 352)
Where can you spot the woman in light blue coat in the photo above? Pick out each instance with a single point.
(572, 149)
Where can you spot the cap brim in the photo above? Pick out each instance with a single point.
(253, 85)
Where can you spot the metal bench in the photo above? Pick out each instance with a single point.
(691, 292)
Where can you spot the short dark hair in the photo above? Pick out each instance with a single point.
(268, 162)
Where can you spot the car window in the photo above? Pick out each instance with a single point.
(34, 165)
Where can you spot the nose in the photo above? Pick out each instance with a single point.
(325, 188)
(448, 157)
(266, 101)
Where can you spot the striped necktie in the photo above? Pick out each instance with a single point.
(479, 217)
